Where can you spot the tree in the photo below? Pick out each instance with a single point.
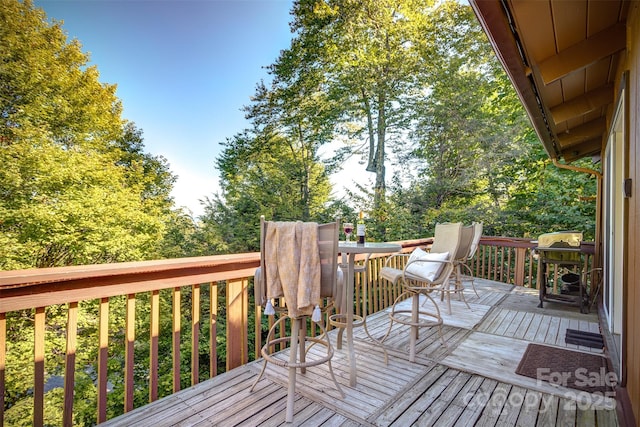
(76, 186)
(267, 175)
(474, 153)
(371, 54)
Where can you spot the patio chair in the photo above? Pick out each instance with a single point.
(298, 262)
(423, 273)
(477, 235)
(466, 238)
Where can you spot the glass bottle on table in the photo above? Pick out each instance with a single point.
(360, 229)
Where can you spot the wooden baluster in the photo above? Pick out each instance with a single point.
(129, 347)
(236, 323)
(502, 249)
(531, 263)
(70, 363)
(245, 320)
(213, 328)
(38, 359)
(257, 331)
(282, 329)
(509, 258)
(176, 339)
(358, 285)
(195, 334)
(103, 357)
(154, 333)
(520, 257)
(3, 358)
(496, 263)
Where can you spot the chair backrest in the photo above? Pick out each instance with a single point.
(477, 235)
(447, 238)
(328, 236)
(466, 237)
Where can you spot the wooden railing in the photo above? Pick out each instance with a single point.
(514, 261)
(210, 298)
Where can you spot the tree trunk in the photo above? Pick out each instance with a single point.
(380, 187)
(371, 163)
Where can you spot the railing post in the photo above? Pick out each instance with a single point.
(237, 295)
(175, 340)
(195, 334)
(3, 347)
(70, 363)
(519, 273)
(213, 329)
(38, 359)
(103, 356)
(129, 351)
(154, 334)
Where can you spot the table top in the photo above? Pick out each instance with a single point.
(368, 247)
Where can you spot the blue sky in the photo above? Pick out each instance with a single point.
(183, 69)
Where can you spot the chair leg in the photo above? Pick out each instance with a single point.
(473, 286)
(302, 332)
(365, 290)
(264, 368)
(438, 316)
(339, 338)
(265, 348)
(415, 322)
(398, 299)
(459, 286)
(291, 392)
(333, 377)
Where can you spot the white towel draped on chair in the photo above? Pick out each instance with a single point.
(293, 265)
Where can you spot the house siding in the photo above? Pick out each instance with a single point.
(632, 285)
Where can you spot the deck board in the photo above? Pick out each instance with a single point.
(470, 381)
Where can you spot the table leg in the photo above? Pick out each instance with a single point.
(415, 317)
(542, 282)
(349, 313)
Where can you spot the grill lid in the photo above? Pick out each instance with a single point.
(560, 239)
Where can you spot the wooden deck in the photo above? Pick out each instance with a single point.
(472, 382)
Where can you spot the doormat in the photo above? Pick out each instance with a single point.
(567, 368)
(583, 338)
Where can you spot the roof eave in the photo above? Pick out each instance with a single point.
(495, 22)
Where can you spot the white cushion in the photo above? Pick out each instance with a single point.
(426, 270)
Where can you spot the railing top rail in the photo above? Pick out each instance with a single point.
(523, 242)
(45, 286)
(34, 276)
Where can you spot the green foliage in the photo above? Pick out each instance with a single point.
(76, 186)
(371, 55)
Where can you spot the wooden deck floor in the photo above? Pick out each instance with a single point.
(472, 382)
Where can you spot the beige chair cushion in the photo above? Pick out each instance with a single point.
(391, 274)
(394, 275)
(419, 265)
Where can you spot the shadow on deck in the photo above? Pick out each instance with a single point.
(472, 382)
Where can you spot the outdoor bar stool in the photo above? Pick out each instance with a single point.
(423, 273)
(298, 262)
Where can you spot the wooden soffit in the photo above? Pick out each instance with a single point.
(562, 57)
